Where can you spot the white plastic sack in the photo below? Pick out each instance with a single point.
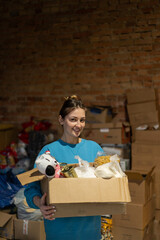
(84, 170)
(23, 210)
(111, 169)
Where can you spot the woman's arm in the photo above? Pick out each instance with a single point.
(35, 200)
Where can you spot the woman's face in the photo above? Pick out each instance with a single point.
(74, 122)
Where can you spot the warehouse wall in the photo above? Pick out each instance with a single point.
(95, 48)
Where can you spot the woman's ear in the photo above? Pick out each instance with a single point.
(60, 119)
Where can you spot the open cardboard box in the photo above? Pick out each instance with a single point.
(140, 185)
(6, 225)
(82, 196)
(28, 229)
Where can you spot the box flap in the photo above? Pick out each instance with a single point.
(30, 176)
(139, 176)
(4, 218)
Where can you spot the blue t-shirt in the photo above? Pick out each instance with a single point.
(69, 228)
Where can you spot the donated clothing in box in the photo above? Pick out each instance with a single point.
(82, 196)
(8, 133)
(140, 185)
(112, 133)
(143, 113)
(29, 230)
(6, 225)
(124, 233)
(145, 156)
(137, 215)
(142, 95)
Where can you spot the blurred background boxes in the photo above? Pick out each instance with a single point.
(8, 133)
(123, 233)
(157, 225)
(112, 133)
(7, 225)
(29, 230)
(137, 215)
(141, 185)
(142, 95)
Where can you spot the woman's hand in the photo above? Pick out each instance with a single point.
(47, 211)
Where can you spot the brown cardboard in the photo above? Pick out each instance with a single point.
(8, 133)
(6, 225)
(145, 156)
(29, 230)
(113, 133)
(157, 225)
(157, 182)
(141, 118)
(140, 185)
(138, 215)
(83, 196)
(124, 233)
(157, 202)
(147, 136)
(101, 117)
(141, 95)
(142, 107)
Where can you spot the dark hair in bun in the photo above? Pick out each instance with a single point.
(71, 103)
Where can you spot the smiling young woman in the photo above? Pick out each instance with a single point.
(72, 118)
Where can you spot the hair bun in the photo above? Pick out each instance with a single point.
(72, 97)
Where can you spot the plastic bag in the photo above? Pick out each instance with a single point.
(111, 169)
(23, 210)
(9, 186)
(84, 170)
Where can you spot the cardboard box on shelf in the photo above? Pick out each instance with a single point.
(98, 115)
(149, 118)
(141, 95)
(122, 150)
(142, 108)
(113, 133)
(27, 229)
(138, 215)
(82, 196)
(141, 185)
(145, 156)
(124, 233)
(147, 136)
(8, 133)
(6, 225)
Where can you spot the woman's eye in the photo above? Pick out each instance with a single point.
(73, 120)
(83, 120)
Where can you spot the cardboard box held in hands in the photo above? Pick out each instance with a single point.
(82, 196)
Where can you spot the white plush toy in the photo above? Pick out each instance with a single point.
(48, 165)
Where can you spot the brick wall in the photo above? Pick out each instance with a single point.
(95, 48)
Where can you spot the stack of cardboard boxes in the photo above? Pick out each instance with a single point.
(114, 137)
(145, 155)
(13, 228)
(143, 108)
(137, 223)
(143, 111)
